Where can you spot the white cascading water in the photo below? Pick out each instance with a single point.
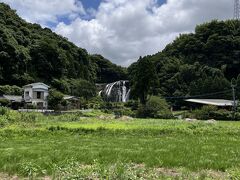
(127, 95)
(116, 91)
(124, 91)
(109, 88)
(100, 92)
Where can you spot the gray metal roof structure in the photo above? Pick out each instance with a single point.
(214, 102)
(68, 97)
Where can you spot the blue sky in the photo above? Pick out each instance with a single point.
(91, 3)
(121, 30)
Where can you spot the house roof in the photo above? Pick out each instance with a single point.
(68, 97)
(214, 102)
(36, 84)
(12, 98)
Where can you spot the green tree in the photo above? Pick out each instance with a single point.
(83, 88)
(145, 80)
(238, 87)
(55, 99)
(76, 87)
(155, 107)
(106, 71)
(11, 90)
(29, 53)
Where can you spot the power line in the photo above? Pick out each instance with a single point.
(203, 95)
(199, 96)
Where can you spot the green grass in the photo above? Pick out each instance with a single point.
(68, 145)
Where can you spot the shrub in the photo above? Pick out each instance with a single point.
(205, 112)
(95, 103)
(31, 106)
(4, 102)
(55, 99)
(3, 110)
(132, 104)
(117, 108)
(111, 105)
(123, 112)
(156, 107)
(212, 112)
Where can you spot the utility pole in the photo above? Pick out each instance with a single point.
(236, 9)
(233, 85)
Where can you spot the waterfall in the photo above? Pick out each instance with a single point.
(118, 91)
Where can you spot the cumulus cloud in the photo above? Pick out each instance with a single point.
(123, 30)
(46, 11)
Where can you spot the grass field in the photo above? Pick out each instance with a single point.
(97, 146)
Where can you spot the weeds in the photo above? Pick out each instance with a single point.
(33, 145)
(3, 110)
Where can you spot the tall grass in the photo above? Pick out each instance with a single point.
(71, 146)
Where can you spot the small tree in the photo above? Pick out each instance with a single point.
(155, 107)
(55, 98)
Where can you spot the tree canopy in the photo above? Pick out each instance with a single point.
(30, 53)
(203, 62)
(144, 80)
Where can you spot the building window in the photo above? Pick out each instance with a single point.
(38, 95)
(27, 93)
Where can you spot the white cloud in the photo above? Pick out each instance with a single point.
(123, 30)
(46, 11)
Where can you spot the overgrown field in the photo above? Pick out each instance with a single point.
(96, 146)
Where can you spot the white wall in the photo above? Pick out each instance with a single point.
(30, 93)
(31, 98)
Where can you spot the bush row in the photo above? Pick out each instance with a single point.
(212, 112)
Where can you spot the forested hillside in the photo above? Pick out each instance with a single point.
(106, 71)
(29, 53)
(199, 63)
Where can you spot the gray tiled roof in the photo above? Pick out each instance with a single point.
(12, 98)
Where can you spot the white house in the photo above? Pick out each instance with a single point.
(36, 94)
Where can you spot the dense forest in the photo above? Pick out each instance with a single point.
(30, 53)
(198, 63)
(106, 71)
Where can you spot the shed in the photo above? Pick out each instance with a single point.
(213, 102)
(12, 98)
(15, 102)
